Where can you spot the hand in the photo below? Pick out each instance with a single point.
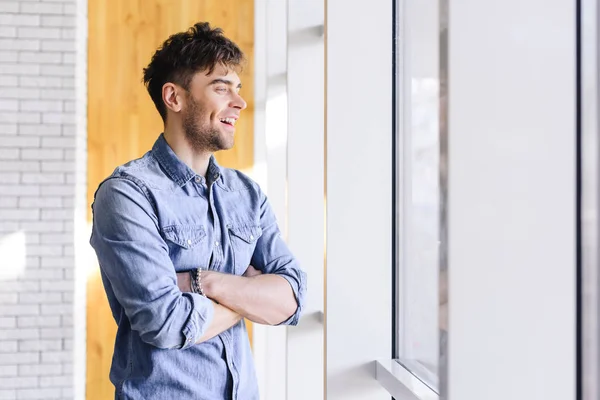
(251, 271)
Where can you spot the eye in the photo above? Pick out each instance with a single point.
(221, 89)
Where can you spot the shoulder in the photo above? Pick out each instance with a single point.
(235, 180)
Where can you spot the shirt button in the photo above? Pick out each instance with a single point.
(216, 244)
(216, 176)
(189, 241)
(251, 237)
(198, 179)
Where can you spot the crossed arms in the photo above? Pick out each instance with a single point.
(139, 274)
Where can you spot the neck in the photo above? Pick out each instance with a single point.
(197, 160)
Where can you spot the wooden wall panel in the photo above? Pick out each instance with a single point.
(123, 123)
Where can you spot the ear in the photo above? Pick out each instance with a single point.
(172, 97)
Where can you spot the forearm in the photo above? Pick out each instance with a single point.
(223, 318)
(265, 299)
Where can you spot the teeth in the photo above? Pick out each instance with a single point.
(230, 121)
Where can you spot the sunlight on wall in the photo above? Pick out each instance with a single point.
(12, 254)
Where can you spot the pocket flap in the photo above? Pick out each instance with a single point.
(186, 236)
(248, 233)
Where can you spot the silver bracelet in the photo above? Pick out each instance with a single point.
(199, 282)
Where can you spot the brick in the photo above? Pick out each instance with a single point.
(39, 130)
(37, 33)
(58, 21)
(57, 70)
(58, 142)
(41, 154)
(20, 333)
(15, 141)
(40, 58)
(41, 370)
(19, 215)
(58, 45)
(57, 333)
(7, 202)
(11, 177)
(63, 215)
(70, 9)
(8, 322)
(67, 368)
(19, 309)
(41, 8)
(18, 382)
(46, 178)
(55, 190)
(59, 94)
(56, 381)
(41, 393)
(19, 69)
(45, 250)
(69, 275)
(9, 298)
(40, 81)
(41, 105)
(40, 345)
(10, 154)
(21, 358)
(7, 394)
(8, 56)
(8, 129)
(39, 321)
(9, 7)
(15, 286)
(19, 20)
(57, 356)
(9, 80)
(20, 93)
(39, 298)
(19, 44)
(8, 105)
(21, 190)
(68, 58)
(8, 370)
(9, 166)
(17, 117)
(8, 32)
(57, 309)
(10, 228)
(57, 118)
(68, 82)
(68, 33)
(32, 238)
(67, 298)
(41, 202)
(42, 227)
(42, 274)
(8, 346)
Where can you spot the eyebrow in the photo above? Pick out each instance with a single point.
(226, 82)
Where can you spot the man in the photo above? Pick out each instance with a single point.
(175, 235)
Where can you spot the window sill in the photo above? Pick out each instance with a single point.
(401, 383)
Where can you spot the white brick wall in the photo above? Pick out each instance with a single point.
(42, 198)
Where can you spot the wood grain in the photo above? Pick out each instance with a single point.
(123, 122)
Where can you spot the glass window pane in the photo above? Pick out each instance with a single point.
(418, 182)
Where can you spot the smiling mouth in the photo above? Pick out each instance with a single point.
(228, 121)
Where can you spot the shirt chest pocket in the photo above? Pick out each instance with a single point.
(243, 242)
(187, 246)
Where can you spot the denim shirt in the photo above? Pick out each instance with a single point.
(154, 217)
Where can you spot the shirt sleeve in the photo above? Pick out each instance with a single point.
(272, 256)
(134, 257)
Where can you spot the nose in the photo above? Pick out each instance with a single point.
(238, 102)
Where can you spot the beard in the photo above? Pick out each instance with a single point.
(203, 137)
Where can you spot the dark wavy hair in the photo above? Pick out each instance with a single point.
(200, 48)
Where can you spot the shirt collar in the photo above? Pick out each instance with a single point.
(176, 169)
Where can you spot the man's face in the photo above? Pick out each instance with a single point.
(212, 108)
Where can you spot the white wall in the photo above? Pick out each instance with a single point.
(42, 197)
(512, 200)
(358, 84)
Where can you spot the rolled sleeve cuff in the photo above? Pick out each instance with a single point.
(200, 318)
(299, 289)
